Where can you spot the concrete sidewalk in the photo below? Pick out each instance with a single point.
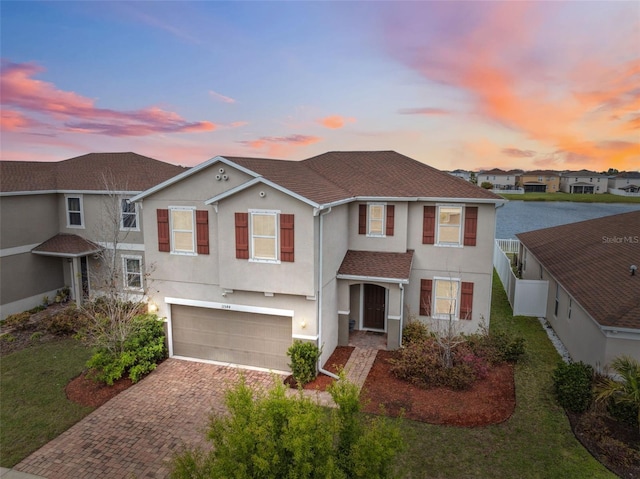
(12, 474)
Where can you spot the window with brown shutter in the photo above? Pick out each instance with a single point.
(426, 287)
(286, 238)
(362, 219)
(242, 235)
(202, 231)
(466, 300)
(429, 225)
(390, 219)
(470, 225)
(163, 230)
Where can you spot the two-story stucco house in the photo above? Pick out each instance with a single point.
(627, 181)
(500, 179)
(52, 223)
(539, 181)
(583, 181)
(594, 286)
(251, 254)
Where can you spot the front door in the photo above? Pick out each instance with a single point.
(374, 307)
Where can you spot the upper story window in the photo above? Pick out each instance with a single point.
(132, 269)
(129, 215)
(450, 225)
(75, 214)
(264, 237)
(182, 230)
(376, 219)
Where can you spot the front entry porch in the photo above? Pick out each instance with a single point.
(368, 340)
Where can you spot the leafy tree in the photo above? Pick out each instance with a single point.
(473, 178)
(486, 185)
(626, 390)
(268, 434)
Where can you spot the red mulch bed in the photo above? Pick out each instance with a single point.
(87, 392)
(489, 401)
(334, 364)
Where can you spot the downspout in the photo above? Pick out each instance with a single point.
(320, 280)
(401, 312)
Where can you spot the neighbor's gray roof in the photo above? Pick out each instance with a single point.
(591, 261)
(66, 245)
(90, 172)
(340, 175)
(376, 264)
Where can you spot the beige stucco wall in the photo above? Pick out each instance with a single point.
(396, 243)
(27, 219)
(498, 181)
(599, 183)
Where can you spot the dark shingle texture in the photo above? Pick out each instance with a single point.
(591, 260)
(340, 175)
(91, 172)
(67, 244)
(375, 264)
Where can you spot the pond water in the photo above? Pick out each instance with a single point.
(521, 216)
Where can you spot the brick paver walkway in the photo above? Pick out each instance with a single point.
(136, 433)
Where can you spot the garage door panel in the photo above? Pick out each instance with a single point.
(231, 336)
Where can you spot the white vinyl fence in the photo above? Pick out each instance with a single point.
(527, 297)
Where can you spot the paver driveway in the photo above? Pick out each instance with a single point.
(136, 433)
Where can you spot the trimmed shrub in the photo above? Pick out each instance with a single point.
(573, 386)
(304, 358)
(19, 321)
(142, 351)
(66, 322)
(415, 331)
(497, 346)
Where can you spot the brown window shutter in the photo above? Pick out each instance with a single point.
(163, 230)
(390, 216)
(470, 225)
(362, 220)
(426, 286)
(242, 235)
(286, 238)
(202, 231)
(429, 225)
(466, 300)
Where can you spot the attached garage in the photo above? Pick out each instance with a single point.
(237, 337)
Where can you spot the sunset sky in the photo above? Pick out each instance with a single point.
(466, 85)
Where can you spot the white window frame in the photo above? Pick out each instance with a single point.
(68, 212)
(434, 303)
(383, 230)
(276, 247)
(126, 273)
(134, 213)
(172, 231)
(457, 244)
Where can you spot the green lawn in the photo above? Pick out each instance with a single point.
(579, 198)
(33, 405)
(536, 442)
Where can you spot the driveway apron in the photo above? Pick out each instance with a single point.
(137, 433)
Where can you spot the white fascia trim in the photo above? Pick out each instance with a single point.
(375, 279)
(229, 307)
(66, 255)
(28, 193)
(72, 192)
(266, 182)
(306, 337)
(232, 365)
(122, 246)
(17, 250)
(613, 329)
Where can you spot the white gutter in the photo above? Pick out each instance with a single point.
(321, 214)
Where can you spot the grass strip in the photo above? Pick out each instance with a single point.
(575, 197)
(536, 442)
(33, 406)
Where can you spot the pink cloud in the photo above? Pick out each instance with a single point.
(219, 97)
(280, 146)
(423, 111)
(11, 120)
(335, 121)
(71, 112)
(518, 153)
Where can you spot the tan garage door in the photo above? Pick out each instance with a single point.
(230, 336)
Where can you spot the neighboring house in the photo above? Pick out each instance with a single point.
(52, 223)
(628, 181)
(500, 179)
(464, 174)
(251, 254)
(594, 299)
(583, 181)
(539, 181)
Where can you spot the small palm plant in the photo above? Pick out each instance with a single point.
(623, 391)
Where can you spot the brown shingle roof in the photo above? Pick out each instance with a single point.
(91, 172)
(375, 264)
(66, 245)
(591, 261)
(341, 175)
